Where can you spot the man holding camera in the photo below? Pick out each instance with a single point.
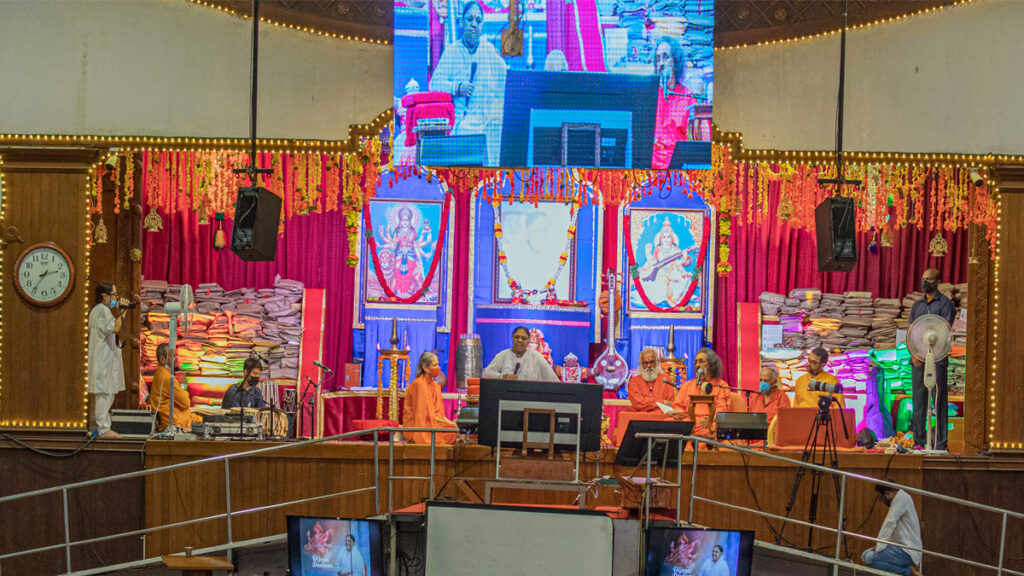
(106, 370)
(816, 382)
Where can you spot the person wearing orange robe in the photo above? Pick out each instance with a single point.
(160, 392)
(709, 371)
(649, 386)
(423, 407)
(771, 397)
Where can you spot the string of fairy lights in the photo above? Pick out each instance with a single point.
(357, 132)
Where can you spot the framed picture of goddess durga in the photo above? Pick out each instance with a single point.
(407, 237)
(665, 246)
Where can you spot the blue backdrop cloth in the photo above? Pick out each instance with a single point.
(565, 330)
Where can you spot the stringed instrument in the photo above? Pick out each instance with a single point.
(610, 370)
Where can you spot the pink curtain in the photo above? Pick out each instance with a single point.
(312, 251)
(460, 281)
(771, 256)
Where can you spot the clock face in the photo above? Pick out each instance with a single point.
(45, 274)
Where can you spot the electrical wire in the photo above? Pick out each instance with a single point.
(82, 446)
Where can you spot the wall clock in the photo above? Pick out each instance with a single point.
(44, 274)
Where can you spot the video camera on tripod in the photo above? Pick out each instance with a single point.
(826, 387)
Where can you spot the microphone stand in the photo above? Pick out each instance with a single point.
(302, 406)
(241, 410)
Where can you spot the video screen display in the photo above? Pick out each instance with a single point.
(577, 83)
(334, 546)
(695, 552)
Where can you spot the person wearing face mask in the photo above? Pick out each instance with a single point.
(933, 302)
(247, 393)
(106, 368)
(160, 391)
(649, 386)
(423, 407)
(520, 362)
(771, 397)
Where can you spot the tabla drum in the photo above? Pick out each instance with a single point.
(274, 423)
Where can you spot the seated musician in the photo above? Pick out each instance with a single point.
(709, 371)
(650, 385)
(771, 397)
(423, 407)
(520, 362)
(246, 393)
(160, 393)
(804, 397)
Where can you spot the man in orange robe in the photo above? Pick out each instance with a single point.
(709, 372)
(771, 397)
(423, 407)
(650, 385)
(160, 393)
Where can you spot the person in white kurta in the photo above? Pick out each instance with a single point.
(349, 561)
(520, 362)
(716, 565)
(106, 370)
(474, 74)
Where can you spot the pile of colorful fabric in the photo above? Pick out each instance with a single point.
(225, 329)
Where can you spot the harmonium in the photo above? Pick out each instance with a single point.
(239, 423)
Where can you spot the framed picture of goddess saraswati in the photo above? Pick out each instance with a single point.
(662, 261)
(408, 243)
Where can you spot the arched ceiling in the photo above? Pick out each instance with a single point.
(736, 21)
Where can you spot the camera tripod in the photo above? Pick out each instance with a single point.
(825, 456)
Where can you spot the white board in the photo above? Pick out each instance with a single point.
(496, 541)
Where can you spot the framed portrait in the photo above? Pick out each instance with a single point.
(533, 240)
(407, 238)
(665, 246)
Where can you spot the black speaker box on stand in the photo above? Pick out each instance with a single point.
(257, 215)
(835, 222)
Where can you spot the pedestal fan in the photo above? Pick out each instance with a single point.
(929, 339)
(180, 309)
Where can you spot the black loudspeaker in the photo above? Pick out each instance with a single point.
(257, 215)
(835, 221)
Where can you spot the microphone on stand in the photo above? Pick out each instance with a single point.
(322, 367)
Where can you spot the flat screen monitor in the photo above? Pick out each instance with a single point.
(641, 72)
(319, 546)
(564, 399)
(672, 551)
(633, 450)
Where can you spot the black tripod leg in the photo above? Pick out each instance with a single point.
(806, 455)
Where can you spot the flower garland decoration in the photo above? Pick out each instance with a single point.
(549, 288)
(634, 270)
(724, 233)
(372, 242)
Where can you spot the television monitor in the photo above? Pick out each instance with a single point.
(672, 551)
(320, 546)
(641, 71)
(565, 399)
(633, 450)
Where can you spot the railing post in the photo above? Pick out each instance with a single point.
(693, 479)
(376, 473)
(647, 485)
(227, 498)
(67, 531)
(391, 470)
(1002, 546)
(679, 481)
(839, 529)
(432, 448)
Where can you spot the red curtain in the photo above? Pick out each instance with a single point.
(312, 251)
(771, 256)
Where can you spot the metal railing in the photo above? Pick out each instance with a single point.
(844, 476)
(228, 513)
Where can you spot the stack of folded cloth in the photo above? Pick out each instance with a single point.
(895, 366)
(224, 330)
(771, 303)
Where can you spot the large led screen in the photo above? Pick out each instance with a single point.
(579, 83)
